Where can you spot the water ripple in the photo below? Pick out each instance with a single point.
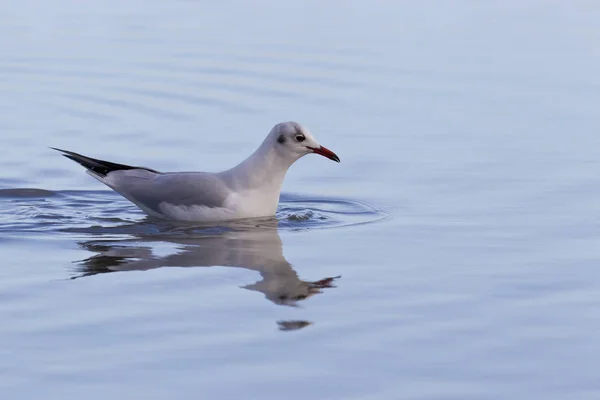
(105, 82)
(124, 104)
(31, 210)
(191, 99)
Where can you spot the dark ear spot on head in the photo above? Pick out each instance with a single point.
(281, 139)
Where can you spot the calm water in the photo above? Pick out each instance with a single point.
(453, 254)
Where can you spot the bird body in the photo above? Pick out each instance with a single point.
(250, 189)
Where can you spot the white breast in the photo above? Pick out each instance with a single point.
(253, 203)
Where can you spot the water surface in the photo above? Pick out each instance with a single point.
(451, 255)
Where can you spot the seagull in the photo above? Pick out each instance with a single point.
(251, 189)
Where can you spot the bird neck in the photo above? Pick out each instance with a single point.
(265, 168)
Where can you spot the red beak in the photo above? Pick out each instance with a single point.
(325, 152)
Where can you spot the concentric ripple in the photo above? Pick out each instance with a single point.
(302, 212)
(103, 212)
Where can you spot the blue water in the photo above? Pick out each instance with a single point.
(452, 254)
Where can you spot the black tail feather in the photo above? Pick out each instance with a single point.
(99, 167)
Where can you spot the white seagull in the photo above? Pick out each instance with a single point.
(250, 189)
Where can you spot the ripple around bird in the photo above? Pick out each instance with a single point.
(104, 212)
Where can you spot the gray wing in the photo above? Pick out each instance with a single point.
(148, 190)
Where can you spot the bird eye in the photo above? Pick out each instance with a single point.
(300, 138)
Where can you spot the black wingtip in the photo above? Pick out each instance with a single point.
(71, 155)
(99, 167)
(57, 149)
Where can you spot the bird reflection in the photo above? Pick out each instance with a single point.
(252, 245)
